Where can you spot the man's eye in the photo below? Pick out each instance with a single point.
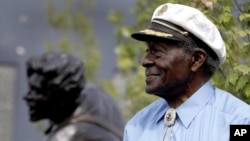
(156, 50)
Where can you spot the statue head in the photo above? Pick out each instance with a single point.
(55, 81)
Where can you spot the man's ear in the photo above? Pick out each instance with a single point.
(199, 56)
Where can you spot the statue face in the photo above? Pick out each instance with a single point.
(54, 83)
(37, 98)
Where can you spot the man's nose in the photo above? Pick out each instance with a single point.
(147, 60)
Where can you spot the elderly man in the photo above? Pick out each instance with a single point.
(184, 48)
(76, 111)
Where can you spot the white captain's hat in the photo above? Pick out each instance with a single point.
(177, 22)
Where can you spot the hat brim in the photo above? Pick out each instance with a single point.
(153, 35)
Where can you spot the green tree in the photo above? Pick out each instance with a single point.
(76, 34)
(233, 75)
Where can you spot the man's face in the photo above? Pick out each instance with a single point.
(37, 98)
(167, 68)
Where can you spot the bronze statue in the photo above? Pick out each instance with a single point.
(77, 111)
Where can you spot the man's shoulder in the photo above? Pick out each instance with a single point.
(227, 99)
(228, 103)
(150, 112)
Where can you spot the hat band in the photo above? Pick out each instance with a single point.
(170, 28)
(185, 33)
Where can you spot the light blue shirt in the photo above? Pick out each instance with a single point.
(205, 116)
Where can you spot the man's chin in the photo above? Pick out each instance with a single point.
(152, 90)
(161, 93)
(149, 91)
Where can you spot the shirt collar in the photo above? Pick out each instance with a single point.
(190, 108)
(163, 106)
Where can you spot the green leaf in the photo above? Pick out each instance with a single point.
(247, 90)
(225, 18)
(241, 83)
(244, 69)
(233, 77)
(244, 17)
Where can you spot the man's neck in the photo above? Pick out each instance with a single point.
(187, 92)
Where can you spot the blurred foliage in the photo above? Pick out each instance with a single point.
(77, 36)
(233, 75)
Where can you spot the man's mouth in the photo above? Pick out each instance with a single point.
(150, 77)
(150, 74)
